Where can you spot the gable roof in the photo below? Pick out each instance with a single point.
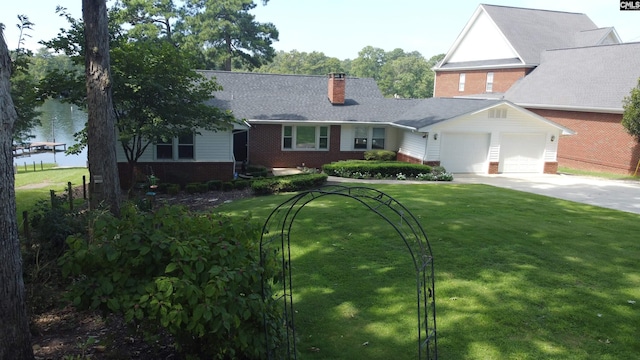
(276, 98)
(260, 96)
(529, 32)
(584, 79)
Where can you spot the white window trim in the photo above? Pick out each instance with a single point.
(174, 150)
(369, 138)
(294, 134)
(461, 81)
(489, 85)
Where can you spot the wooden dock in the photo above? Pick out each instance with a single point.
(38, 147)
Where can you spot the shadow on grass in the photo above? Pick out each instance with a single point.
(518, 275)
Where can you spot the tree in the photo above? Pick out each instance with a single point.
(15, 338)
(101, 133)
(223, 31)
(407, 75)
(156, 93)
(368, 63)
(24, 87)
(158, 96)
(295, 62)
(631, 115)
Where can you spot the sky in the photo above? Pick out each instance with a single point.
(341, 28)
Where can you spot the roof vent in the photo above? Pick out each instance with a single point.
(336, 88)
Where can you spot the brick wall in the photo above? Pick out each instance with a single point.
(601, 142)
(475, 81)
(177, 172)
(265, 149)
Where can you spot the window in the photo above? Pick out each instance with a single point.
(377, 139)
(178, 148)
(305, 137)
(287, 137)
(461, 82)
(185, 147)
(368, 138)
(489, 87)
(164, 149)
(360, 139)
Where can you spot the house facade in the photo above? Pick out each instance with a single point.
(301, 120)
(558, 65)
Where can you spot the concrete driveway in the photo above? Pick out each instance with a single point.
(621, 195)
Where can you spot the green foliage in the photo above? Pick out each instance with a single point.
(257, 171)
(24, 88)
(225, 33)
(197, 276)
(214, 185)
(173, 189)
(274, 185)
(380, 155)
(295, 62)
(631, 115)
(408, 76)
(365, 169)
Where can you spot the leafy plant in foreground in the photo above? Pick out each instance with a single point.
(198, 276)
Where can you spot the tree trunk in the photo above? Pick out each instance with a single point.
(15, 339)
(101, 129)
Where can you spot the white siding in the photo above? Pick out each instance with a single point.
(209, 147)
(483, 41)
(347, 134)
(214, 146)
(413, 144)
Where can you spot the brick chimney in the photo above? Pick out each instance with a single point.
(336, 88)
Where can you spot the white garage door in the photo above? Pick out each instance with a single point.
(465, 152)
(521, 153)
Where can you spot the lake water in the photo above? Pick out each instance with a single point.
(58, 123)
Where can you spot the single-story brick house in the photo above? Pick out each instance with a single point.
(559, 65)
(296, 120)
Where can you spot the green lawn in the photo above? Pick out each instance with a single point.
(518, 276)
(32, 186)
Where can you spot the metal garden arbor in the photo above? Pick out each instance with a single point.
(275, 238)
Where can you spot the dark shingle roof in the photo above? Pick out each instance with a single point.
(259, 96)
(597, 77)
(434, 110)
(280, 98)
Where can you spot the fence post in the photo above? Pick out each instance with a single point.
(84, 187)
(41, 165)
(25, 166)
(70, 196)
(53, 198)
(34, 166)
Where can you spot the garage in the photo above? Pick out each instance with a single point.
(522, 153)
(465, 152)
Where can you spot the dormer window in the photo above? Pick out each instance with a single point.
(461, 82)
(489, 87)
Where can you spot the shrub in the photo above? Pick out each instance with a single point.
(380, 155)
(214, 185)
(382, 169)
(197, 276)
(257, 171)
(278, 184)
(228, 186)
(173, 189)
(192, 188)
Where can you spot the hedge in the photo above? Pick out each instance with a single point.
(374, 169)
(287, 183)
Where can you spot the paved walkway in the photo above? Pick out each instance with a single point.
(621, 195)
